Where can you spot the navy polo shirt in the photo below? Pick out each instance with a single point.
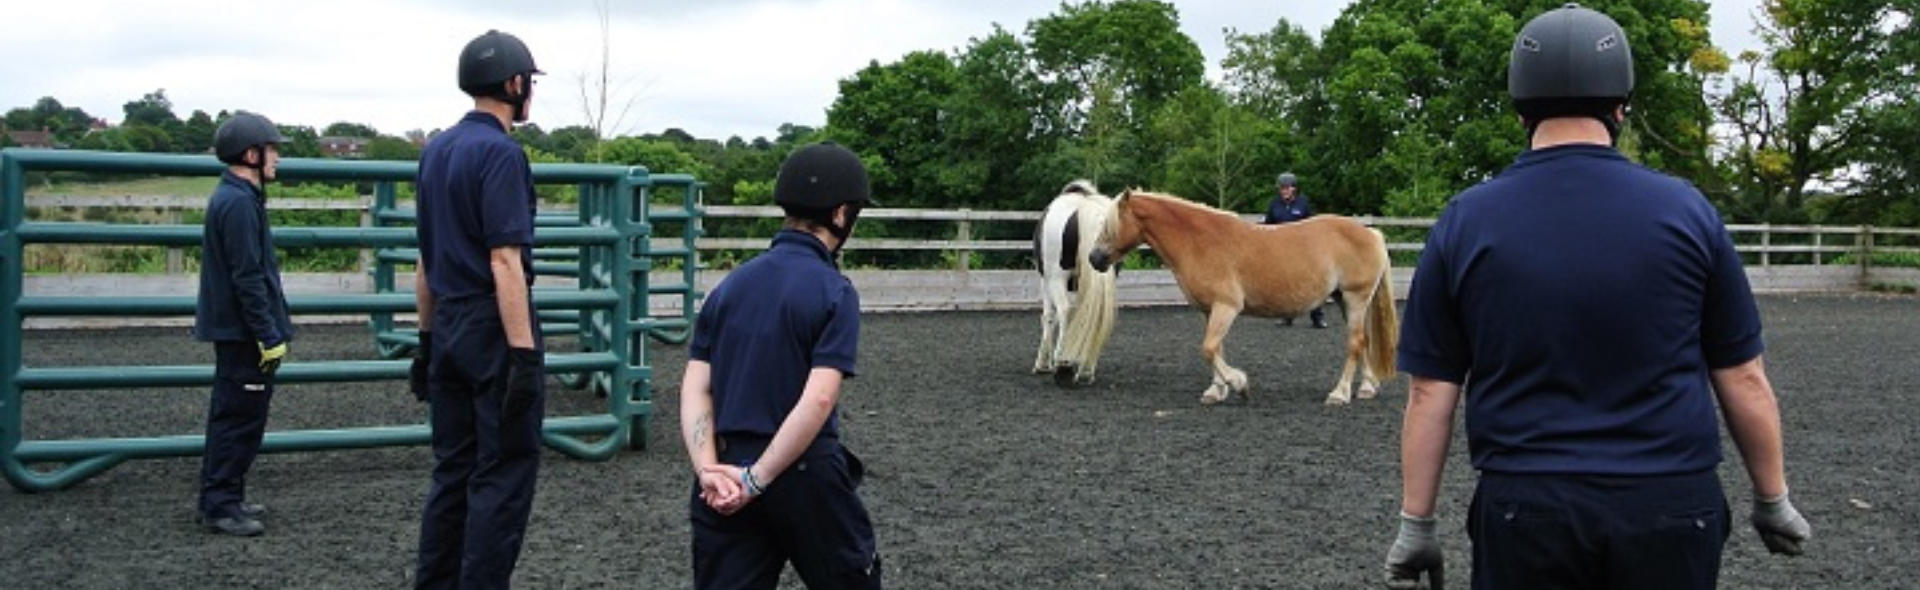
(241, 298)
(1283, 211)
(771, 322)
(1582, 299)
(475, 194)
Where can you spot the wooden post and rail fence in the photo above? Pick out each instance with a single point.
(1779, 258)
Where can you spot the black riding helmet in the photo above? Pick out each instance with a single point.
(241, 132)
(1570, 62)
(818, 178)
(492, 59)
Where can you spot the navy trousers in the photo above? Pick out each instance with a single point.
(236, 420)
(811, 516)
(1595, 532)
(485, 462)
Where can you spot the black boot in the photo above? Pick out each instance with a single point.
(1319, 319)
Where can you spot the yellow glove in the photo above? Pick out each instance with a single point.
(270, 357)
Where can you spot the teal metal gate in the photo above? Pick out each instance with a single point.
(609, 241)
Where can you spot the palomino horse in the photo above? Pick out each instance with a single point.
(1076, 302)
(1227, 266)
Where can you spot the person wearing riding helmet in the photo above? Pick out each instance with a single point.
(760, 393)
(1289, 206)
(1595, 438)
(480, 364)
(242, 310)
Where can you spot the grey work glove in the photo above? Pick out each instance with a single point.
(1415, 551)
(1780, 526)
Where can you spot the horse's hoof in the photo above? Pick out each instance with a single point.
(1083, 380)
(1208, 400)
(1336, 401)
(1042, 369)
(1368, 393)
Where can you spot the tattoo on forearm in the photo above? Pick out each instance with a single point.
(698, 439)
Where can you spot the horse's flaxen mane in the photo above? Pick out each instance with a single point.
(1166, 198)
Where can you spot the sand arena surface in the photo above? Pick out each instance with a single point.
(980, 475)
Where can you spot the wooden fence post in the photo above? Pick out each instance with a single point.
(176, 262)
(965, 260)
(1866, 256)
(366, 220)
(1766, 245)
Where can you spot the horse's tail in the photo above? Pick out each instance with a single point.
(1383, 321)
(1092, 318)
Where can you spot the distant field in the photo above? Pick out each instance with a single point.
(164, 185)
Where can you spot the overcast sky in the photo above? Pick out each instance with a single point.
(712, 67)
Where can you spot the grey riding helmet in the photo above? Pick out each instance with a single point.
(1286, 179)
(243, 131)
(1570, 61)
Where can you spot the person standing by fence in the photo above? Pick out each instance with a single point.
(242, 310)
(484, 375)
(1595, 438)
(1289, 206)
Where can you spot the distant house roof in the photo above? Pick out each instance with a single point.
(32, 139)
(340, 146)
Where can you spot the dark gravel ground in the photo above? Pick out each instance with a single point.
(980, 474)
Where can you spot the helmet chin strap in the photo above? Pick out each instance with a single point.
(519, 102)
(260, 170)
(841, 232)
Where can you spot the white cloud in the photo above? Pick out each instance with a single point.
(714, 68)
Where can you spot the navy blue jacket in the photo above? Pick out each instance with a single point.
(1583, 300)
(475, 194)
(1280, 211)
(241, 299)
(770, 323)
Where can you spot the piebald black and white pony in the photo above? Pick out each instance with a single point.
(1077, 302)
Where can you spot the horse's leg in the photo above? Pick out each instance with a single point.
(1049, 316)
(1369, 383)
(1356, 334)
(1063, 366)
(1226, 379)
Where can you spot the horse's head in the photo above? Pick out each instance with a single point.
(1119, 235)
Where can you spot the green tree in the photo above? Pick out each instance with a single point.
(196, 135)
(349, 129)
(1133, 47)
(302, 141)
(151, 125)
(574, 143)
(1804, 113)
(107, 140)
(1888, 192)
(387, 147)
(897, 113)
(67, 124)
(1218, 158)
(658, 156)
(146, 138)
(990, 133)
(1277, 74)
(153, 109)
